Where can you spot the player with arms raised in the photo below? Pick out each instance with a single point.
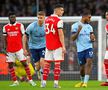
(55, 47)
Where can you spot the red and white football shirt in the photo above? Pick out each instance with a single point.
(106, 28)
(52, 24)
(13, 36)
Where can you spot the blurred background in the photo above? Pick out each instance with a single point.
(72, 7)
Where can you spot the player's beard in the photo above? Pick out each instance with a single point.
(86, 22)
(12, 22)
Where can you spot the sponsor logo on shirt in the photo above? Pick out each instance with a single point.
(15, 33)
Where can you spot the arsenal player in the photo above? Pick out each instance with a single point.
(13, 32)
(55, 46)
(106, 54)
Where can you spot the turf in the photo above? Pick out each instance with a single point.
(66, 85)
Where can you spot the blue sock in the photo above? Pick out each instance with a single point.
(86, 78)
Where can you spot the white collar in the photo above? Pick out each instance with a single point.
(54, 15)
(13, 24)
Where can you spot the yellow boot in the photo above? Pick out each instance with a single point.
(79, 84)
(84, 85)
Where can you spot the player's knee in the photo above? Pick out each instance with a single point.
(37, 66)
(89, 63)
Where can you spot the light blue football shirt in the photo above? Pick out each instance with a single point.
(36, 36)
(83, 41)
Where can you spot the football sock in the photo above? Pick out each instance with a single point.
(86, 78)
(28, 72)
(106, 67)
(46, 71)
(57, 71)
(56, 81)
(12, 73)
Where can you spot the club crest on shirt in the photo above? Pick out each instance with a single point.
(16, 28)
(8, 29)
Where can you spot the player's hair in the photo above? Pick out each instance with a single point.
(11, 13)
(106, 12)
(41, 13)
(58, 6)
(85, 13)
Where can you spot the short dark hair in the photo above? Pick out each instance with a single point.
(58, 6)
(11, 13)
(41, 13)
(106, 12)
(85, 13)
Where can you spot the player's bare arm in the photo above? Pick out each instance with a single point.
(75, 35)
(61, 36)
(4, 40)
(25, 41)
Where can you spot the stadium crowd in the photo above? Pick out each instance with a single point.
(72, 7)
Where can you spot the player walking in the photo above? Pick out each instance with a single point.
(35, 38)
(82, 33)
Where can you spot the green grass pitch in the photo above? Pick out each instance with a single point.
(65, 85)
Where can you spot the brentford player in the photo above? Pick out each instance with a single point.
(13, 32)
(106, 54)
(55, 47)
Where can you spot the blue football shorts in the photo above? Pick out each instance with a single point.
(37, 54)
(82, 56)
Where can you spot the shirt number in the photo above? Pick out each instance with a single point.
(51, 29)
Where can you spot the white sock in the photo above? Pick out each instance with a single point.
(86, 78)
(56, 81)
(107, 80)
(31, 80)
(44, 81)
(16, 81)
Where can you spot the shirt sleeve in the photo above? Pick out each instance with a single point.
(4, 31)
(22, 29)
(28, 29)
(74, 28)
(60, 24)
(91, 29)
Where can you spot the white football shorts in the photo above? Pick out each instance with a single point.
(11, 57)
(54, 55)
